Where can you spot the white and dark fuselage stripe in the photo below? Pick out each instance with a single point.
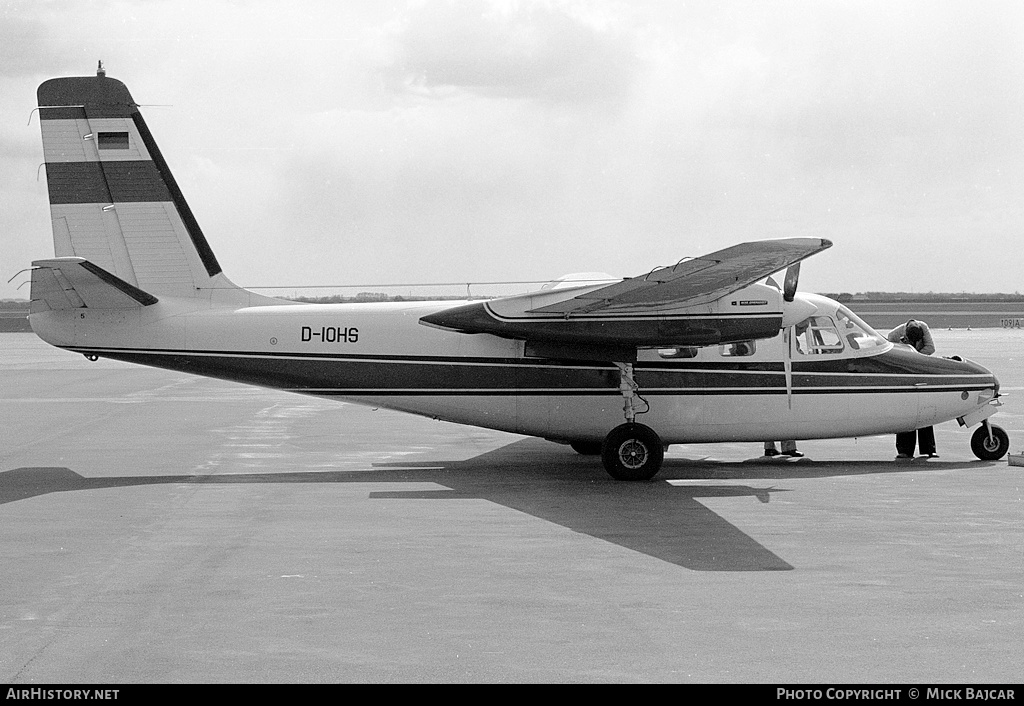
(355, 375)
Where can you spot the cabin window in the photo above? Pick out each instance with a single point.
(742, 348)
(817, 335)
(683, 352)
(112, 140)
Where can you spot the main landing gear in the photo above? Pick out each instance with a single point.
(989, 442)
(631, 451)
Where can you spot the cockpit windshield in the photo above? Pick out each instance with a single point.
(857, 334)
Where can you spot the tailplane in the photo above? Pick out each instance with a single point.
(74, 283)
(114, 203)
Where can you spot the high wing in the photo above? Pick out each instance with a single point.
(696, 281)
(688, 304)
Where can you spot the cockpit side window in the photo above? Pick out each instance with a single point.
(682, 352)
(817, 335)
(742, 348)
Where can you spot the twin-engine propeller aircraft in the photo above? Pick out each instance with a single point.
(707, 350)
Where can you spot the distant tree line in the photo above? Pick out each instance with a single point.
(932, 297)
(843, 297)
(368, 297)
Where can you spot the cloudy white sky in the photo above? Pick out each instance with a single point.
(453, 140)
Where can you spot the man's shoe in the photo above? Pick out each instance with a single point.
(794, 453)
(903, 456)
(771, 452)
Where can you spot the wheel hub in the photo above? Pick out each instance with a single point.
(633, 454)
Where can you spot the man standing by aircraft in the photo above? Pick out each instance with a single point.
(915, 333)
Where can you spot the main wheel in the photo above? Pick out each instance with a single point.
(586, 448)
(990, 449)
(632, 452)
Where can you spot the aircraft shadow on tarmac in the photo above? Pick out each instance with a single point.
(664, 520)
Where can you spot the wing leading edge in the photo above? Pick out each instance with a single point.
(687, 304)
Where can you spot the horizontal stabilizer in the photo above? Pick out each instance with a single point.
(76, 283)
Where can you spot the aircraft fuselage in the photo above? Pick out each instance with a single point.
(379, 354)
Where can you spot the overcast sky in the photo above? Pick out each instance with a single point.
(355, 142)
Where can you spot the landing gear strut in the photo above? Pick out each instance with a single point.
(631, 451)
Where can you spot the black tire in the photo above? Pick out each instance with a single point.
(990, 449)
(586, 448)
(632, 452)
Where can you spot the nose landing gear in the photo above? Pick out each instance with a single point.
(989, 442)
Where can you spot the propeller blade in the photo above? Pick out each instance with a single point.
(789, 286)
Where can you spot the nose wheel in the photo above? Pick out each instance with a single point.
(989, 442)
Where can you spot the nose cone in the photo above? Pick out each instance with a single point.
(931, 370)
(979, 370)
(974, 367)
(995, 382)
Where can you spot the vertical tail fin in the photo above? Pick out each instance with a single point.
(113, 199)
